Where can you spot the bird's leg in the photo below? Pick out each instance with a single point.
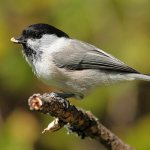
(69, 95)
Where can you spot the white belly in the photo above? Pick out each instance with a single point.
(50, 74)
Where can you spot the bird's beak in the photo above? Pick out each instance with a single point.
(17, 40)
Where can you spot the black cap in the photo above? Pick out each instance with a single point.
(37, 30)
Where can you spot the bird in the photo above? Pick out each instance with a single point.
(72, 66)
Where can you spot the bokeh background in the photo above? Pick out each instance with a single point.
(120, 27)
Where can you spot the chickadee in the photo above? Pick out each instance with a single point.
(72, 66)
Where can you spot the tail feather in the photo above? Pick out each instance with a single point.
(140, 76)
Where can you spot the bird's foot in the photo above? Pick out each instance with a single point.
(63, 95)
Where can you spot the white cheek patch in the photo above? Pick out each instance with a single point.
(33, 44)
(52, 43)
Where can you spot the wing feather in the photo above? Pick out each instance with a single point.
(79, 55)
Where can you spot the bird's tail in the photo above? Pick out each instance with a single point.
(140, 77)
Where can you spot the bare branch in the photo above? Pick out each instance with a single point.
(84, 123)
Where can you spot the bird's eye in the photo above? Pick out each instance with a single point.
(31, 34)
(36, 35)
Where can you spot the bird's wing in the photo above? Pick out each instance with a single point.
(79, 55)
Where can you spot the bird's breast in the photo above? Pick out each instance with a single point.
(49, 73)
(44, 69)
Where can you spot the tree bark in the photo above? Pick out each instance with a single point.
(84, 123)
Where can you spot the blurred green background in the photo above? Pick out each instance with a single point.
(120, 27)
